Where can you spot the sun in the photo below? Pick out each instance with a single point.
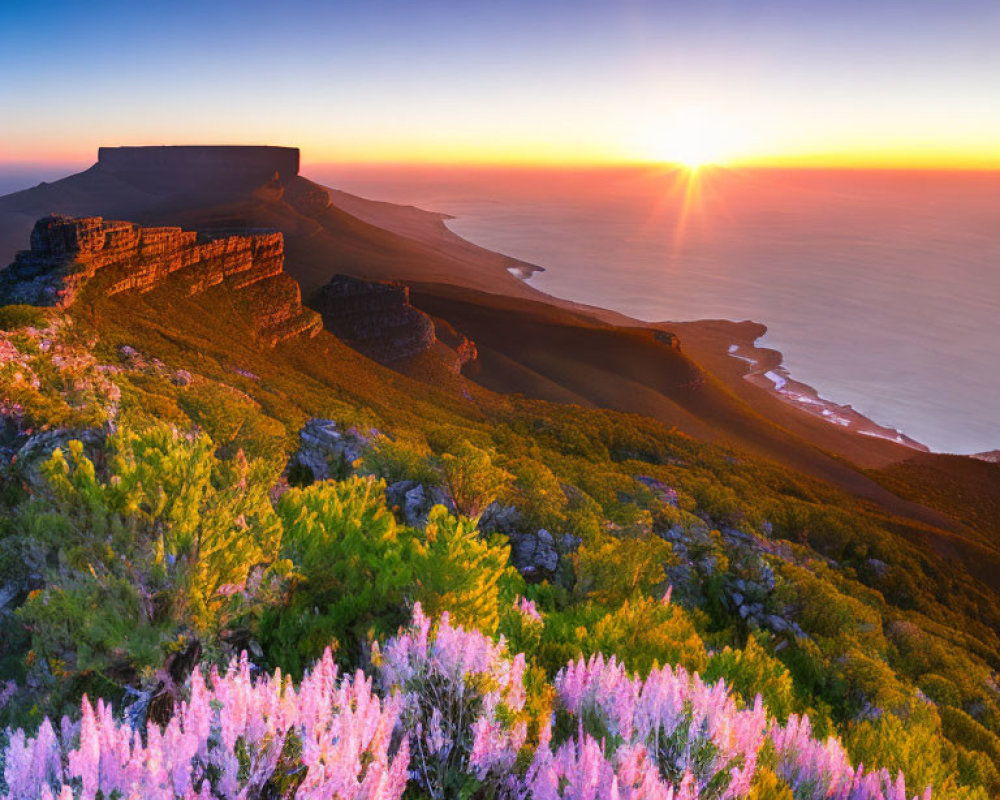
(692, 154)
(690, 138)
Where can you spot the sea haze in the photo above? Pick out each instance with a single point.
(882, 289)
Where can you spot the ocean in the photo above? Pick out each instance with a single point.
(881, 288)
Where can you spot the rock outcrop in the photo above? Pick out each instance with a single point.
(68, 252)
(462, 350)
(536, 554)
(327, 452)
(375, 318)
(413, 501)
(307, 197)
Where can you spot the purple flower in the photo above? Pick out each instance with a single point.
(461, 695)
(226, 741)
(822, 769)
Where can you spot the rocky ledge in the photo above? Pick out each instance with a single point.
(375, 318)
(68, 252)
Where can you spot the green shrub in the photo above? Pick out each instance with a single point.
(161, 550)
(962, 729)
(352, 572)
(17, 316)
(612, 570)
(913, 746)
(472, 478)
(642, 632)
(399, 460)
(357, 572)
(751, 671)
(455, 570)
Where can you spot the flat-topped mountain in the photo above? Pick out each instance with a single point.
(201, 187)
(175, 162)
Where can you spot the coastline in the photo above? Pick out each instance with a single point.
(762, 367)
(765, 370)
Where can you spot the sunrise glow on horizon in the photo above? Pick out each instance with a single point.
(834, 84)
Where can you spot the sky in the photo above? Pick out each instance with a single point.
(854, 83)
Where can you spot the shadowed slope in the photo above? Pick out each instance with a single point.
(534, 349)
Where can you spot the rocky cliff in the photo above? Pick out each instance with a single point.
(460, 348)
(69, 252)
(375, 317)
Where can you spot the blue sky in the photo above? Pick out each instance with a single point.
(510, 81)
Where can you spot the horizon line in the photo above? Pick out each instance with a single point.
(825, 163)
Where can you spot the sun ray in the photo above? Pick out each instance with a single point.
(691, 191)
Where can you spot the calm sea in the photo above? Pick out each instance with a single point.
(882, 289)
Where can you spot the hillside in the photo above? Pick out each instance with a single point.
(584, 486)
(329, 232)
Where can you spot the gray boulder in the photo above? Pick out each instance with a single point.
(414, 501)
(534, 554)
(500, 518)
(323, 448)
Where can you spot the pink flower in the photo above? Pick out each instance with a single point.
(690, 730)
(460, 691)
(527, 609)
(822, 769)
(345, 730)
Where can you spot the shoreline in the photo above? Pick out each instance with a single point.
(766, 370)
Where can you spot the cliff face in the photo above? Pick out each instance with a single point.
(375, 318)
(66, 253)
(463, 350)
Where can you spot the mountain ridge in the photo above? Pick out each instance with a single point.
(414, 246)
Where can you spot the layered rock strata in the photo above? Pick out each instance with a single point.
(375, 318)
(68, 252)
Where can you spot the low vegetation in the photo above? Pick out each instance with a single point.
(717, 626)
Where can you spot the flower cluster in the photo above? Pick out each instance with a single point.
(455, 700)
(579, 770)
(688, 733)
(527, 609)
(231, 739)
(461, 696)
(822, 769)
